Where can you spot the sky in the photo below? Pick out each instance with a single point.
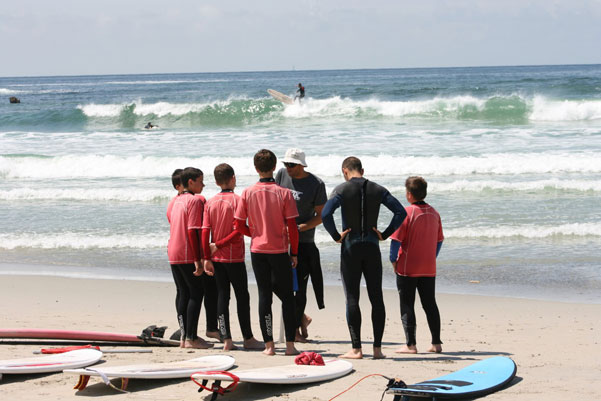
(92, 37)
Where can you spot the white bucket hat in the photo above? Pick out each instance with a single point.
(296, 156)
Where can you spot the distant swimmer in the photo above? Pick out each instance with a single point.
(150, 126)
(300, 91)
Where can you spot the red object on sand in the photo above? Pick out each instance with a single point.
(67, 349)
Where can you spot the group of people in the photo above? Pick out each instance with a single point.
(206, 251)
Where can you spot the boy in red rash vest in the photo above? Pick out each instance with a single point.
(224, 257)
(413, 251)
(185, 219)
(271, 213)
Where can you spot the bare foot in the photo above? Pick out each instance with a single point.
(182, 343)
(435, 348)
(305, 322)
(355, 353)
(407, 349)
(213, 334)
(299, 338)
(253, 343)
(199, 343)
(269, 348)
(228, 345)
(290, 350)
(378, 353)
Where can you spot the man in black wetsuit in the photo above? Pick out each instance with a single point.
(360, 200)
(301, 92)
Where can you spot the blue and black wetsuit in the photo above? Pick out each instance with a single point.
(360, 200)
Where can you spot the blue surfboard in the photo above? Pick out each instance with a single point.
(476, 380)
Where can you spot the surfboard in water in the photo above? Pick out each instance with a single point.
(50, 363)
(280, 96)
(164, 370)
(475, 380)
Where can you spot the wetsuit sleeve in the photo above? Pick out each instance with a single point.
(293, 236)
(398, 211)
(206, 234)
(225, 241)
(394, 250)
(438, 246)
(195, 242)
(327, 216)
(241, 227)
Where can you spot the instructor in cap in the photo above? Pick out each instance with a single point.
(309, 192)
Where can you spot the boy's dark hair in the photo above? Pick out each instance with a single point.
(190, 173)
(417, 186)
(265, 160)
(223, 173)
(352, 163)
(176, 177)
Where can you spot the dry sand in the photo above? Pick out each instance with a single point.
(555, 345)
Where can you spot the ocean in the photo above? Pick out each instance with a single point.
(512, 156)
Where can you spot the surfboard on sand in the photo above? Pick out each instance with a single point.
(165, 370)
(475, 380)
(287, 374)
(280, 96)
(78, 335)
(50, 363)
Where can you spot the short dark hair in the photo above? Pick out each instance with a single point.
(417, 186)
(265, 160)
(176, 177)
(352, 163)
(190, 173)
(223, 173)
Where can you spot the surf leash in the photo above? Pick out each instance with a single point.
(391, 383)
(216, 388)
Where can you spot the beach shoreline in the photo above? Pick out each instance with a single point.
(473, 328)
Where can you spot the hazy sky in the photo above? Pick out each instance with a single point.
(72, 37)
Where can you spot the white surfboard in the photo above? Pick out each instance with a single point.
(163, 370)
(280, 96)
(287, 374)
(50, 363)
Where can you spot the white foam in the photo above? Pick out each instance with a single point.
(101, 110)
(6, 91)
(98, 166)
(567, 110)
(76, 240)
(535, 185)
(95, 194)
(526, 231)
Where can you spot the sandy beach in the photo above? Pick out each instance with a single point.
(555, 345)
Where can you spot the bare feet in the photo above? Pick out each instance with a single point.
(213, 334)
(435, 348)
(298, 338)
(228, 345)
(355, 353)
(269, 348)
(378, 353)
(407, 349)
(290, 350)
(253, 343)
(305, 322)
(199, 343)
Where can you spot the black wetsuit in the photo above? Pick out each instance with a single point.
(360, 200)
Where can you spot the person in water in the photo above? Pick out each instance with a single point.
(360, 200)
(300, 91)
(150, 126)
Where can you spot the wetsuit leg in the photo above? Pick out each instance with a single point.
(350, 271)
(406, 287)
(302, 274)
(210, 301)
(182, 296)
(223, 300)
(316, 274)
(238, 278)
(426, 288)
(372, 271)
(190, 303)
(281, 281)
(262, 271)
